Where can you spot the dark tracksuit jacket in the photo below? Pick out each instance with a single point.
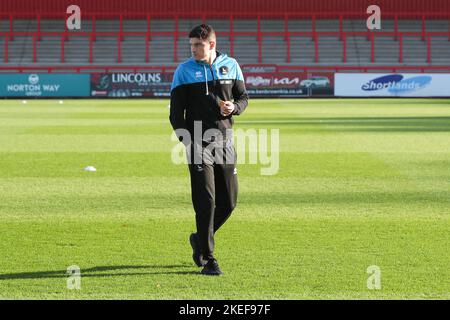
(197, 89)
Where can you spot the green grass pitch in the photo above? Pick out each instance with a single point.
(360, 183)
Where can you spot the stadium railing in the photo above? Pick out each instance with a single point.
(287, 34)
(276, 69)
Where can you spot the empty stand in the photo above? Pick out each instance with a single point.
(157, 41)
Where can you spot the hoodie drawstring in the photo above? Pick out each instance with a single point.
(206, 80)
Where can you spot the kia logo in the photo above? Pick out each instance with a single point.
(286, 81)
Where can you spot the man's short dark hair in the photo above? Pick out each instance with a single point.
(203, 32)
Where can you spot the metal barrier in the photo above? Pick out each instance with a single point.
(232, 33)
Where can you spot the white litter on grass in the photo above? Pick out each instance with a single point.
(90, 169)
(168, 106)
(24, 101)
(61, 102)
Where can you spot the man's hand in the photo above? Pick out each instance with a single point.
(226, 108)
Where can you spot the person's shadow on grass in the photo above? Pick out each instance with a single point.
(103, 271)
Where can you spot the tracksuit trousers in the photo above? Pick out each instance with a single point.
(214, 188)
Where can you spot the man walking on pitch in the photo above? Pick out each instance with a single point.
(207, 90)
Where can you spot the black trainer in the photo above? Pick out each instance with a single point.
(212, 268)
(196, 255)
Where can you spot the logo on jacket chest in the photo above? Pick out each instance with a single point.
(223, 70)
(199, 74)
